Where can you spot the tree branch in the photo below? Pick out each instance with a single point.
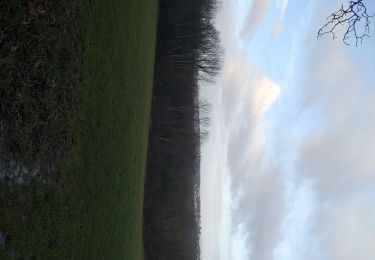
(350, 15)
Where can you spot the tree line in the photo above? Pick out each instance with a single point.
(188, 51)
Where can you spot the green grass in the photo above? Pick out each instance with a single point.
(94, 210)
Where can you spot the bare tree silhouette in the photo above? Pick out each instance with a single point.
(353, 15)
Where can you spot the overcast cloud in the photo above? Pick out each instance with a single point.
(289, 171)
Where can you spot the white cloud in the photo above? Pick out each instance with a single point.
(254, 17)
(239, 244)
(247, 96)
(262, 95)
(339, 158)
(278, 28)
(246, 101)
(317, 203)
(335, 157)
(261, 200)
(284, 5)
(278, 25)
(347, 231)
(297, 224)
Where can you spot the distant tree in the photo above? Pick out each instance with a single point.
(209, 61)
(188, 52)
(354, 16)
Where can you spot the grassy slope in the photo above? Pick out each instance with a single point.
(119, 51)
(96, 211)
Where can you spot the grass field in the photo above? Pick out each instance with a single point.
(94, 208)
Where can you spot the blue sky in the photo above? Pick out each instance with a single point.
(288, 171)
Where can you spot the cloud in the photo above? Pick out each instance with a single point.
(239, 244)
(297, 225)
(301, 181)
(261, 210)
(278, 25)
(283, 6)
(338, 158)
(226, 22)
(347, 231)
(335, 157)
(262, 95)
(314, 207)
(236, 76)
(247, 97)
(254, 17)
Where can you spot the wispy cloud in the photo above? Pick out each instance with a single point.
(300, 167)
(339, 159)
(260, 200)
(262, 95)
(254, 17)
(278, 25)
(284, 5)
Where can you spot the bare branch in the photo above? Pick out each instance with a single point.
(351, 15)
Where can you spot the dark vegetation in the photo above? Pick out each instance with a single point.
(188, 51)
(75, 100)
(39, 67)
(75, 105)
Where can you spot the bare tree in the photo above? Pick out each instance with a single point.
(353, 15)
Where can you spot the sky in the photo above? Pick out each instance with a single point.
(289, 171)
